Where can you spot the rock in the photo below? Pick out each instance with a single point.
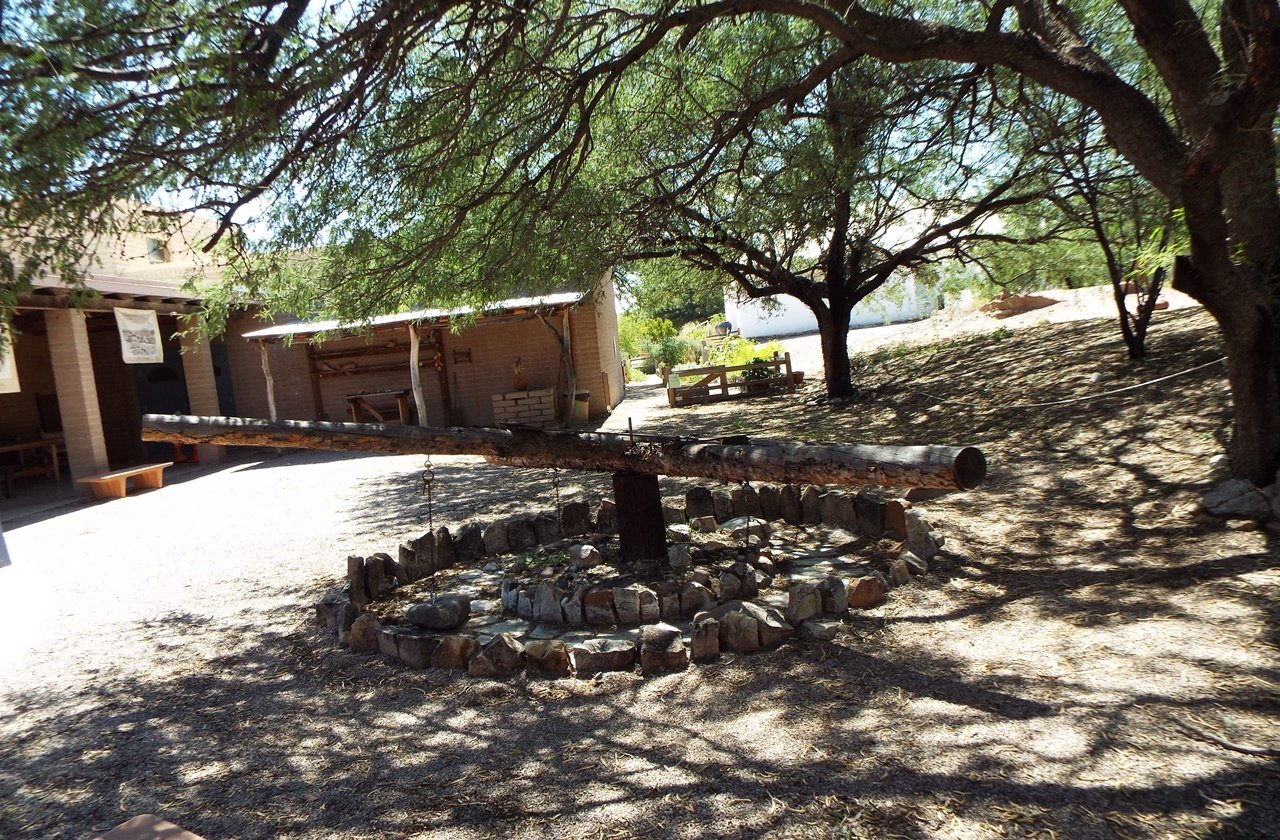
(895, 518)
(914, 564)
(770, 502)
(363, 635)
(765, 564)
(865, 592)
(575, 518)
(920, 540)
(595, 656)
(1220, 463)
(468, 543)
(704, 644)
(597, 607)
(454, 652)
(408, 562)
(810, 506)
(774, 629)
(792, 510)
(697, 503)
(740, 528)
(829, 509)
(393, 569)
(524, 605)
(547, 658)
(607, 517)
(679, 556)
(415, 650)
(1237, 498)
(387, 634)
(695, 598)
(509, 592)
(446, 554)
(821, 631)
(899, 572)
(716, 546)
(834, 596)
(546, 603)
(626, 600)
(571, 606)
(746, 501)
(870, 513)
(722, 505)
(649, 611)
(739, 632)
(333, 610)
(661, 649)
(495, 537)
(501, 657)
(703, 524)
(547, 529)
(701, 576)
(520, 533)
(448, 612)
(583, 557)
(672, 515)
(668, 593)
(678, 533)
(730, 586)
(423, 563)
(803, 602)
(750, 586)
(375, 578)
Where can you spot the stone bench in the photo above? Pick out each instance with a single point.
(112, 485)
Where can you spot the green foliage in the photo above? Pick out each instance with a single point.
(673, 290)
(538, 559)
(672, 350)
(754, 374)
(637, 332)
(737, 350)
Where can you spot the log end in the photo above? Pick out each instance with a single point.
(970, 467)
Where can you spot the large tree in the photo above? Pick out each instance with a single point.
(399, 130)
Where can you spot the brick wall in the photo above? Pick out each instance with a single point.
(526, 408)
(288, 370)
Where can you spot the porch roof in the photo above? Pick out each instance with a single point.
(506, 307)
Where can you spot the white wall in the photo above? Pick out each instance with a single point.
(898, 301)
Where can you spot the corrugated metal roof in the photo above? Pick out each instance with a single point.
(295, 328)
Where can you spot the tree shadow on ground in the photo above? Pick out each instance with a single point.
(286, 737)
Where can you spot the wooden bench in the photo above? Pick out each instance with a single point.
(112, 485)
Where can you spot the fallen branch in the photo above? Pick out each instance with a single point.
(1218, 740)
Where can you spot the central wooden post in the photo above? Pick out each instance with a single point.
(642, 530)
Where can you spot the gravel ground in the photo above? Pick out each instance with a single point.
(156, 653)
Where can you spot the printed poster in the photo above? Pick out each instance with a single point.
(8, 367)
(139, 336)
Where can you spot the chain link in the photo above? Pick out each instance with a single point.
(426, 489)
(555, 487)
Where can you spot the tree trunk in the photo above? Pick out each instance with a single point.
(763, 460)
(1234, 295)
(833, 332)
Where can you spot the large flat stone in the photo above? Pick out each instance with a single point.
(415, 649)
(662, 649)
(454, 652)
(547, 658)
(501, 657)
(598, 655)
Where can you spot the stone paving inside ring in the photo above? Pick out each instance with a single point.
(548, 595)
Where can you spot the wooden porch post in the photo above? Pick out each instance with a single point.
(415, 377)
(271, 385)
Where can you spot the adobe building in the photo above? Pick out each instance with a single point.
(78, 411)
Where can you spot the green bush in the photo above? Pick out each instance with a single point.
(672, 350)
(740, 351)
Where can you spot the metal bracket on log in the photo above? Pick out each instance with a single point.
(791, 462)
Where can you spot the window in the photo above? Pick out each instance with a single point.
(157, 250)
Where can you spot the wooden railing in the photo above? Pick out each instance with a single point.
(699, 386)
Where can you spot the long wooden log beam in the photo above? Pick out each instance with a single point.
(733, 459)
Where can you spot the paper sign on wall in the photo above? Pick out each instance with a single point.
(139, 336)
(8, 366)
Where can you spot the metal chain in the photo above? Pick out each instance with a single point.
(555, 486)
(426, 489)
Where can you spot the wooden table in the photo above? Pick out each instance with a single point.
(360, 403)
(53, 468)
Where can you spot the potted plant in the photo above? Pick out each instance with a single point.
(755, 379)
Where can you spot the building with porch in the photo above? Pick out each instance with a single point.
(78, 409)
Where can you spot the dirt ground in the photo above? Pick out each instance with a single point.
(156, 653)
